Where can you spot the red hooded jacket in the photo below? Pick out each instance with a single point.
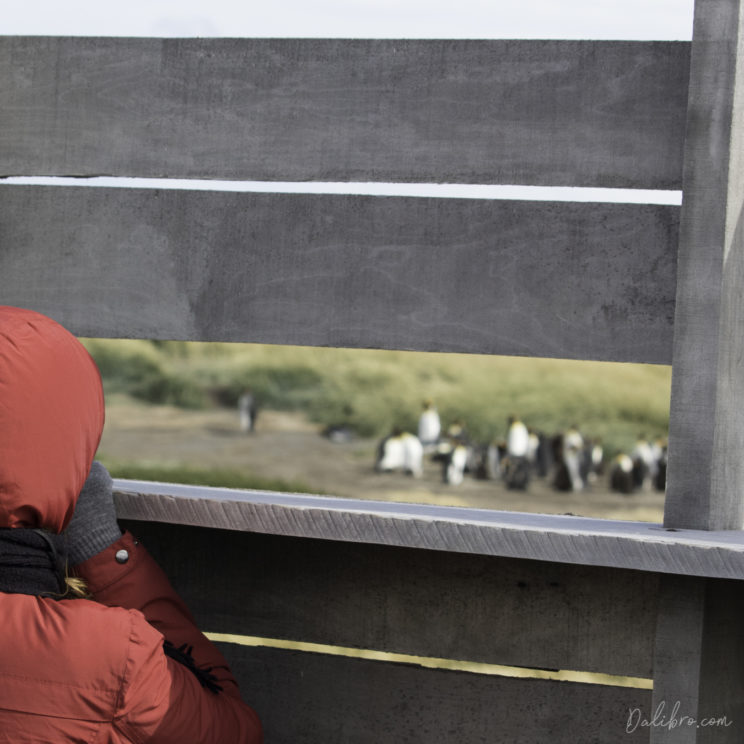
(78, 670)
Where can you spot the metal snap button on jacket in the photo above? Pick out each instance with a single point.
(122, 556)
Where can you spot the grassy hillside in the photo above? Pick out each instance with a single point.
(376, 390)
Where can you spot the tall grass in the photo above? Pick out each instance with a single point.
(372, 391)
(141, 369)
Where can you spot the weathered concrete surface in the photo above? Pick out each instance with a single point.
(408, 601)
(577, 113)
(706, 440)
(554, 279)
(699, 661)
(306, 698)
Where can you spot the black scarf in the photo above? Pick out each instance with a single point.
(32, 561)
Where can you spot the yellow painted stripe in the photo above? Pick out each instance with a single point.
(434, 663)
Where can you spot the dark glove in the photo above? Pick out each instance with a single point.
(93, 525)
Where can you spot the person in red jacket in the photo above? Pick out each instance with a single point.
(127, 664)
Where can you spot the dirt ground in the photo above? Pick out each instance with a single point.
(287, 446)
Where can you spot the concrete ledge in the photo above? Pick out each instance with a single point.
(563, 539)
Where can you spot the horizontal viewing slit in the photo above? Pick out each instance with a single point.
(441, 190)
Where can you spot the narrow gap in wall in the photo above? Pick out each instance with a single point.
(441, 190)
(499, 670)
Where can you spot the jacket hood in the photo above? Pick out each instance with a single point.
(51, 420)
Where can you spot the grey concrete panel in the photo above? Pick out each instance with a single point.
(407, 601)
(706, 467)
(721, 689)
(561, 279)
(530, 112)
(677, 655)
(699, 662)
(557, 539)
(306, 698)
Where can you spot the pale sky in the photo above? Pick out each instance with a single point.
(491, 19)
